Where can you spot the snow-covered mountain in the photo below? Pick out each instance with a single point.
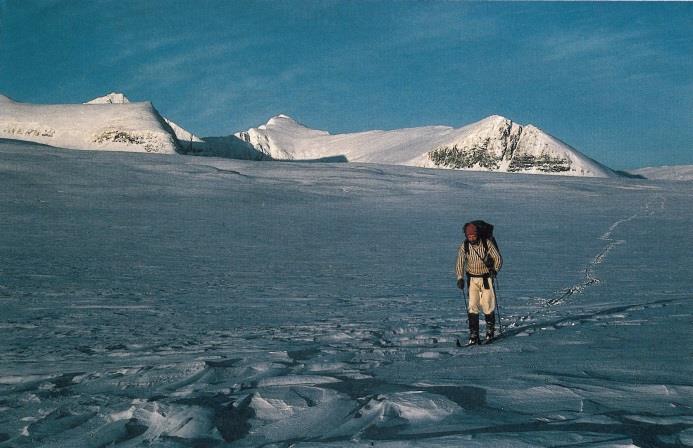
(133, 127)
(676, 172)
(228, 147)
(120, 98)
(112, 122)
(492, 144)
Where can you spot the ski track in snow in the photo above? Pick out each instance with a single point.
(518, 326)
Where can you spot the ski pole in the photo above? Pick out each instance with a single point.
(466, 305)
(495, 292)
(466, 311)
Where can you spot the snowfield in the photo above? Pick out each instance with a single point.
(676, 172)
(177, 301)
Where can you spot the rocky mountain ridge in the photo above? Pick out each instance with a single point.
(495, 143)
(112, 122)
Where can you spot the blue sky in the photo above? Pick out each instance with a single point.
(613, 80)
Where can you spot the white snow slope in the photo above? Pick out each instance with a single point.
(676, 172)
(492, 144)
(134, 127)
(189, 143)
(120, 98)
(185, 301)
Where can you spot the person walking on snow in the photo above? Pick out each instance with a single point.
(480, 261)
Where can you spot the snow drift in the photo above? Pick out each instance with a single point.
(133, 127)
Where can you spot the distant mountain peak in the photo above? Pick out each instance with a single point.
(495, 118)
(492, 120)
(281, 120)
(111, 98)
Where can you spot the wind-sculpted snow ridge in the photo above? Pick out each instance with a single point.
(492, 144)
(132, 127)
(187, 301)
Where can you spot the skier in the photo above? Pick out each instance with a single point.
(480, 260)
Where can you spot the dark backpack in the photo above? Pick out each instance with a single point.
(485, 233)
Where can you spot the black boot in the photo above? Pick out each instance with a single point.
(490, 325)
(473, 328)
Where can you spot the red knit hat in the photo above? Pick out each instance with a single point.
(472, 228)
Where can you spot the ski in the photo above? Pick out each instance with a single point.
(493, 340)
(467, 344)
(459, 344)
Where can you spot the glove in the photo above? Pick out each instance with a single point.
(460, 283)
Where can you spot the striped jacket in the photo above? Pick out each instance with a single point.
(473, 262)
